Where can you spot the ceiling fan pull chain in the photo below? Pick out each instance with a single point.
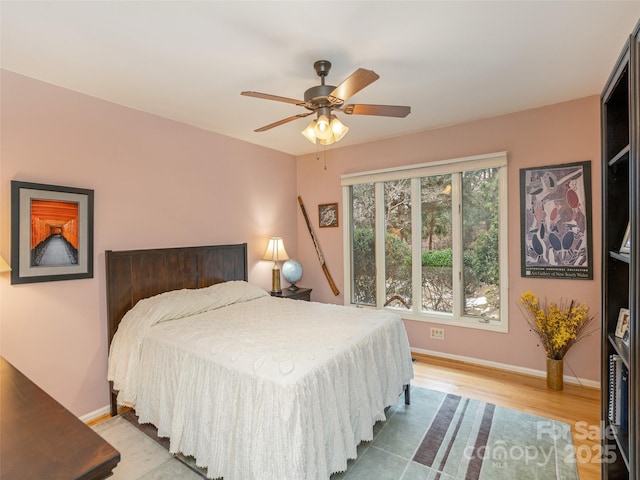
(325, 157)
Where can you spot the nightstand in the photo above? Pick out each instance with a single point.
(300, 294)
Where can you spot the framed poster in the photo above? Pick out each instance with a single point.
(328, 215)
(51, 233)
(555, 222)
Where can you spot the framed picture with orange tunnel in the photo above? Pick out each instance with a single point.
(51, 232)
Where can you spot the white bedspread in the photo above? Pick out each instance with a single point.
(256, 387)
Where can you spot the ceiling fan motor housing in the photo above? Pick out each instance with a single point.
(318, 96)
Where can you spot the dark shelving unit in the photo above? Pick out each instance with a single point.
(621, 271)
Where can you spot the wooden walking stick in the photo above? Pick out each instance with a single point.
(323, 264)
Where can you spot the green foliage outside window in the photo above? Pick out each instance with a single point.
(480, 242)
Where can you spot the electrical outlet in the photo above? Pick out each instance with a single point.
(437, 333)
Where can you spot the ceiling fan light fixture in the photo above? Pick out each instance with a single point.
(334, 131)
(310, 131)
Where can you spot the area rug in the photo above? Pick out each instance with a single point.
(439, 436)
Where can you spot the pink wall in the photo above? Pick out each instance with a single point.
(562, 133)
(161, 183)
(157, 183)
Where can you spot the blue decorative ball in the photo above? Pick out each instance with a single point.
(292, 271)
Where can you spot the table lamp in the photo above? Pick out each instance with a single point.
(275, 252)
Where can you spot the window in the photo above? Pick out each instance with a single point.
(430, 241)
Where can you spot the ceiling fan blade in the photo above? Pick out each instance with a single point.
(266, 96)
(382, 110)
(282, 122)
(352, 85)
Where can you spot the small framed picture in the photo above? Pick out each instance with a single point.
(625, 247)
(328, 215)
(622, 328)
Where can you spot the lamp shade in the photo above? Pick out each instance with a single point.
(275, 250)
(338, 129)
(4, 266)
(310, 132)
(328, 141)
(323, 129)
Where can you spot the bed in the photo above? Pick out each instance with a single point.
(252, 386)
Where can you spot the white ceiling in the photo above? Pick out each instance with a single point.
(451, 61)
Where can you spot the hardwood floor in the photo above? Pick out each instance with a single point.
(106, 416)
(575, 405)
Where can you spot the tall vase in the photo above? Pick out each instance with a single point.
(554, 374)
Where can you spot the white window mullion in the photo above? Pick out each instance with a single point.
(381, 287)
(503, 249)
(347, 243)
(456, 227)
(416, 242)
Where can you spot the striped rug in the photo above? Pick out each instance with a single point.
(447, 437)
(438, 437)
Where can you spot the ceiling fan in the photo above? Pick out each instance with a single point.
(325, 100)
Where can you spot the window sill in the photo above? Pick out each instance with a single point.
(446, 319)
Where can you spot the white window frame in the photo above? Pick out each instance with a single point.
(415, 172)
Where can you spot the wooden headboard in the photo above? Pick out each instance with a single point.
(136, 274)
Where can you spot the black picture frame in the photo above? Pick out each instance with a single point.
(622, 327)
(51, 232)
(625, 246)
(555, 222)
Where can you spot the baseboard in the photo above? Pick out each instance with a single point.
(504, 366)
(91, 416)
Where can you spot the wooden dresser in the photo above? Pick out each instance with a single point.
(40, 439)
